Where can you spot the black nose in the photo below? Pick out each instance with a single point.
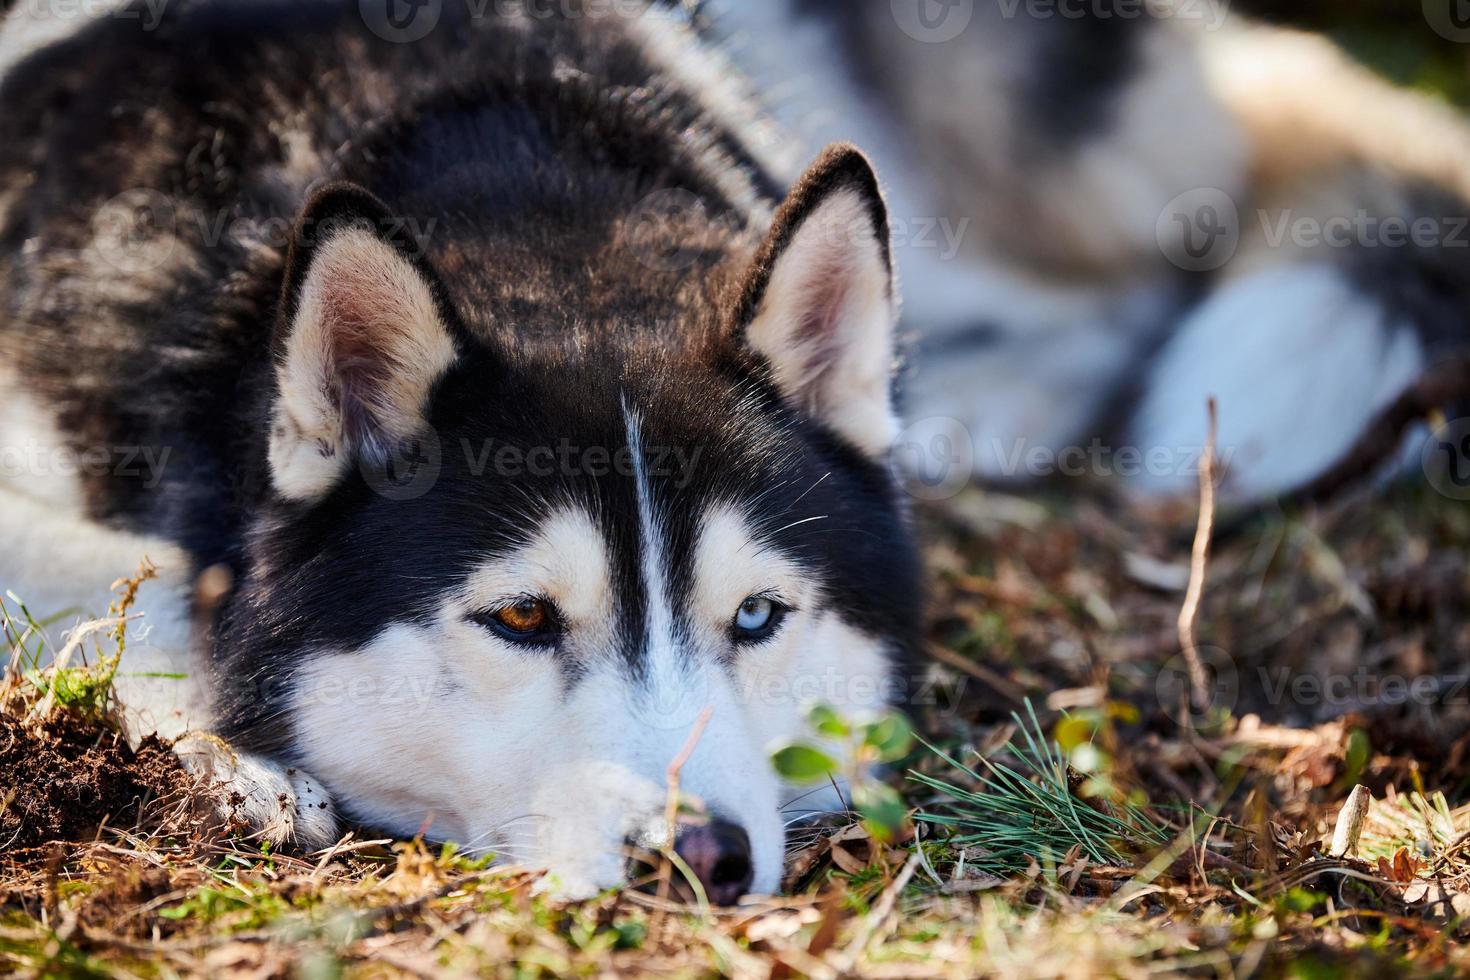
(719, 853)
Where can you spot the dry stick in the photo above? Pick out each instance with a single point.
(1001, 684)
(1349, 826)
(671, 807)
(1199, 559)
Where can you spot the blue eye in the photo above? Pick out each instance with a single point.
(757, 618)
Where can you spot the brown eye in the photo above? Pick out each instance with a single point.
(526, 616)
(524, 621)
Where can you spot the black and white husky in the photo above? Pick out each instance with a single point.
(481, 351)
(527, 416)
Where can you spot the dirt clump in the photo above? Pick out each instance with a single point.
(63, 777)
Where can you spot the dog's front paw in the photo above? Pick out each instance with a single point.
(277, 803)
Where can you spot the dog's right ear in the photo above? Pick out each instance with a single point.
(360, 343)
(818, 304)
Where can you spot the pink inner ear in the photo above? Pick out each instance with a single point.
(819, 328)
(378, 337)
(360, 365)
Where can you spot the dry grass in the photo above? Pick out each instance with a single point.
(1161, 840)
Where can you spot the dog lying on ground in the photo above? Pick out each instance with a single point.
(514, 412)
(514, 463)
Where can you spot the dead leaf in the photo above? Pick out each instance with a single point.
(1405, 866)
(847, 862)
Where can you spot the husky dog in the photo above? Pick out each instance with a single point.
(528, 418)
(1105, 213)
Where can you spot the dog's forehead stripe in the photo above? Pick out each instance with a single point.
(660, 636)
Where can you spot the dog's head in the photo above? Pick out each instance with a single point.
(510, 565)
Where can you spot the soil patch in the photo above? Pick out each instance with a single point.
(61, 779)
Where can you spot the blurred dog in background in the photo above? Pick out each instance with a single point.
(1107, 212)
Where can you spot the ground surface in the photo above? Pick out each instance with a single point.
(1109, 839)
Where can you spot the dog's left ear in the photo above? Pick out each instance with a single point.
(360, 343)
(819, 306)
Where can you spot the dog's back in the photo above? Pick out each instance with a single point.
(177, 159)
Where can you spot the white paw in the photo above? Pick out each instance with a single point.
(279, 804)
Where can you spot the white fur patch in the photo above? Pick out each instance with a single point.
(730, 565)
(660, 616)
(566, 562)
(1107, 199)
(1310, 108)
(34, 457)
(32, 25)
(1300, 362)
(814, 658)
(666, 36)
(446, 728)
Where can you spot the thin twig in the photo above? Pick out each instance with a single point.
(671, 805)
(1199, 560)
(999, 682)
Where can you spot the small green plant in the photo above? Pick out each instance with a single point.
(83, 688)
(865, 745)
(1009, 816)
(1088, 740)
